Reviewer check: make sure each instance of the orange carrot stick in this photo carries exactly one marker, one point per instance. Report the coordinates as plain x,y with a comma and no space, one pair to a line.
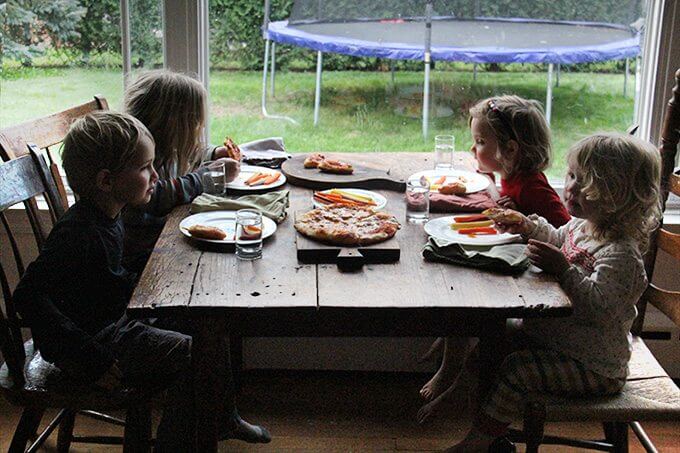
271,178
441,180
470,218
254,178
480,230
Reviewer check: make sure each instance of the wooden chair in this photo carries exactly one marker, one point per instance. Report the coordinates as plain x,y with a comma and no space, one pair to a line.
649,393
46,132
25,378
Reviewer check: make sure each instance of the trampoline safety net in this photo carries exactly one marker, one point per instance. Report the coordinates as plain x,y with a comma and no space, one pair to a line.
621,12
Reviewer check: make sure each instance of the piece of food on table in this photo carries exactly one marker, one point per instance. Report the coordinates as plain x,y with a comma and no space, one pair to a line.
330,198
441,180
504,216
233,151
272,178
470,218
353,196
255,177
454,188
313,160
343,225
206,232
335,167
464,225
478,231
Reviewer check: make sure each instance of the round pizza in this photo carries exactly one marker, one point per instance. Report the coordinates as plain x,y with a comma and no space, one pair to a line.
339,224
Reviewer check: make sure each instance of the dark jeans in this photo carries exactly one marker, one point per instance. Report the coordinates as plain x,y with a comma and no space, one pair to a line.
155,354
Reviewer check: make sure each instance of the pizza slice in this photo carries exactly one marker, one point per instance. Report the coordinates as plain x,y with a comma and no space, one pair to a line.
335,167
233,151
454,188
504,216
313,160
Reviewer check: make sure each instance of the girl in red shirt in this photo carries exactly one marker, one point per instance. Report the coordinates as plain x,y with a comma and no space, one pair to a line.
510,137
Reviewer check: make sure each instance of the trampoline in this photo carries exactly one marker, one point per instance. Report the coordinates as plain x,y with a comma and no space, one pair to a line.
455,31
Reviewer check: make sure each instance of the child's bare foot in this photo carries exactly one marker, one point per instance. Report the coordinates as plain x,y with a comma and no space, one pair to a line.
440,382
435,347
433,406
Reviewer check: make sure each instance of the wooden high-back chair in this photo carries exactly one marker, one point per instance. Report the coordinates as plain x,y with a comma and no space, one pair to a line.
46,133
649,393
25,378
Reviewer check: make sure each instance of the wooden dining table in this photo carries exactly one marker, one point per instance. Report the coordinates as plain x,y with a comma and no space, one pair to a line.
279,296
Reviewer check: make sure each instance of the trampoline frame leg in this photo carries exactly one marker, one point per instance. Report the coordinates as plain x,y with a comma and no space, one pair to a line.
638,71
426,98
392,71
317,91
272,86
474,72
264,88
557,75
548,94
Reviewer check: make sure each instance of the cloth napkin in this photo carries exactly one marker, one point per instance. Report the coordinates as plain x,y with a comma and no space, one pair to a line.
271,204
505,258
266,152
472,202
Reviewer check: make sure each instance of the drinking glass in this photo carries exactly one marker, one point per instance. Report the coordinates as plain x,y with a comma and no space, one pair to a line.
443,151
215,179
417,200
248,234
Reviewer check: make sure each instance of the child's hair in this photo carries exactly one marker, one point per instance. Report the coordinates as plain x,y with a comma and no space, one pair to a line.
522,120
173,107
97,141
621,173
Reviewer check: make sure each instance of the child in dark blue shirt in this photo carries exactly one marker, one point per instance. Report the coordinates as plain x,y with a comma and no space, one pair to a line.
74,295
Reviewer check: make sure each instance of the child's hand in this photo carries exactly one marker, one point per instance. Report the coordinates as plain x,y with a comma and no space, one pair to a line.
547,257
507,203
110,380
523,227
231,168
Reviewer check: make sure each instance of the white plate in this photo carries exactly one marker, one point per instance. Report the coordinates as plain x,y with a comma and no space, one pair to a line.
225,221
440,228
249,170
474,182
379,200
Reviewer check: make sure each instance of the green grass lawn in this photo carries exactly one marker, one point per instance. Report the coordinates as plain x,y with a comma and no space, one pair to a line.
360,111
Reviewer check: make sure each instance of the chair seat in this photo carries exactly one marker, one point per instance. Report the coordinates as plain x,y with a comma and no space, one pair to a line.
47,386
649,394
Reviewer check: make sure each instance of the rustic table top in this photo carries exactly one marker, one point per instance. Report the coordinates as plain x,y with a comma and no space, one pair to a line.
279,292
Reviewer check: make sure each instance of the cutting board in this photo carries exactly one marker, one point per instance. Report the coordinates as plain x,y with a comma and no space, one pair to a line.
347,258
362,178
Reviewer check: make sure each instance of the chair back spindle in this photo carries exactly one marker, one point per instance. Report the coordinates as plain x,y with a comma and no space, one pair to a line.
21,179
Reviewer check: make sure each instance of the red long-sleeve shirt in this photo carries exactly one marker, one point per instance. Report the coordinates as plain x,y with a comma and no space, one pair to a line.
533,195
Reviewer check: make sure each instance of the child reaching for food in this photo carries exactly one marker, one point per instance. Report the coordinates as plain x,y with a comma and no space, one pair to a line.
510,137
173,107
612,192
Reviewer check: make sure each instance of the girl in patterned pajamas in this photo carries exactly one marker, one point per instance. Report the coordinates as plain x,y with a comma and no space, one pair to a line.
612,193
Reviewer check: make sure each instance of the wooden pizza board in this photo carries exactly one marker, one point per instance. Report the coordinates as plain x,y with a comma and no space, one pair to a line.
310,251
362,177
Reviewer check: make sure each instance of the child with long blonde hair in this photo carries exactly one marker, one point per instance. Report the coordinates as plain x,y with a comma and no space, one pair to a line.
612,192
173,107
510,137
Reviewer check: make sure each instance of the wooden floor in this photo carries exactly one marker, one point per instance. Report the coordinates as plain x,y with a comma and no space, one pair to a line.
343,412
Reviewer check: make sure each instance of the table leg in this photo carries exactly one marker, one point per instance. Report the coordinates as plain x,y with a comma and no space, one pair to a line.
491,349
209,373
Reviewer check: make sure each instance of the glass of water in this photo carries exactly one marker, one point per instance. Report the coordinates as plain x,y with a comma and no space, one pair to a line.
444,146
248,234
417,200
215,179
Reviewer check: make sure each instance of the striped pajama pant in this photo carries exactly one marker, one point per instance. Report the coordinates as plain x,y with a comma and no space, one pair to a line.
536,370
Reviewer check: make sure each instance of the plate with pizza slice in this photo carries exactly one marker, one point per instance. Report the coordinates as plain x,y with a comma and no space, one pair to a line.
453,181
469,229
254,178
349,197
218,227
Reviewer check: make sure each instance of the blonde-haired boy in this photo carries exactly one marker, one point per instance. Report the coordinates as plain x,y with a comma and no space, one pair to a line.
74,295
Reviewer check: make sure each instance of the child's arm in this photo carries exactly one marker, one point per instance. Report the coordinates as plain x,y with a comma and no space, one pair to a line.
543,231
172,192
611,290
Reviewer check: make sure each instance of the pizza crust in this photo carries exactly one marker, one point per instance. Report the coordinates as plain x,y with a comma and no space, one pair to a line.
505,216
342,225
